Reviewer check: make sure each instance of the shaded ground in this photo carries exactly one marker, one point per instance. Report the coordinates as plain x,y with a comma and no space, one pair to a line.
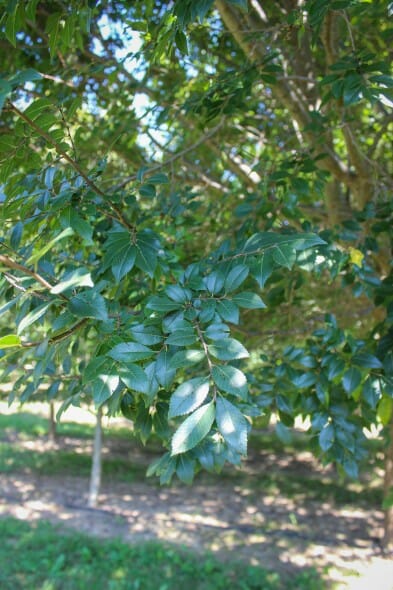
227,515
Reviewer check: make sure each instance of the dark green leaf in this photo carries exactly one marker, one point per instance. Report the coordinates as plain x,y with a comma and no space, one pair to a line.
162,304
326,437
367,361
164,371
147,335
120,253
228,311
128,352
193,429
351,380
248,300
236,276
134,377
89,304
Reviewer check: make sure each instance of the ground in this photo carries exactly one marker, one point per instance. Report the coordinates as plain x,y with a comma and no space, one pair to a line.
263,525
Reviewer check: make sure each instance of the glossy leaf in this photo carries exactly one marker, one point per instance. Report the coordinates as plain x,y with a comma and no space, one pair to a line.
232,425
188,396
194,429
130,352
228,350
230,380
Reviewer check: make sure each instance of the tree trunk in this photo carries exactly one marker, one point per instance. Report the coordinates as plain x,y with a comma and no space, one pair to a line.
388,492
96,466
52,423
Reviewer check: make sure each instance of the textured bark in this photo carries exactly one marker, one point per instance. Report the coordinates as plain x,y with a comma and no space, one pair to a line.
96,467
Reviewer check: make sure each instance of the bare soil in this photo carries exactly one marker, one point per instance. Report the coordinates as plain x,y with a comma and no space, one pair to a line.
234,521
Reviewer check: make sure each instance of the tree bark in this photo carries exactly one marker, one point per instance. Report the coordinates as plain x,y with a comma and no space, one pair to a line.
96,467
387,541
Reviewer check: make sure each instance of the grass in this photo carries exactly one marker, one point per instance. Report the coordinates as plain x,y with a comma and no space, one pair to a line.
30,425
65,463
40,556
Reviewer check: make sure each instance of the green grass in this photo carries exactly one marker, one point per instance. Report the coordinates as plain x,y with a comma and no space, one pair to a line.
31,425
65,463
40,556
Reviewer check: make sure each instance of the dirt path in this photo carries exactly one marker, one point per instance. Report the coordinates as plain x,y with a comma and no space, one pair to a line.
271,531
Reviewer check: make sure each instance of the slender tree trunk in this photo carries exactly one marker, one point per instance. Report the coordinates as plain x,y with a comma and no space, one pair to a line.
52,423
388,492
96,466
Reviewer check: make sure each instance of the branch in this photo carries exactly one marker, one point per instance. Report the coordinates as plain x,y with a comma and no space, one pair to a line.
62,336
7,261
175,156
285,91
49,139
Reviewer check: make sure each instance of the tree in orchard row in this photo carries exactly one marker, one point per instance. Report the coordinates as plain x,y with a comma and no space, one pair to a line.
163,166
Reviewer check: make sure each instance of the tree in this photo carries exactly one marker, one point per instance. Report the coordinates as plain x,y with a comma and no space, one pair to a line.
161,164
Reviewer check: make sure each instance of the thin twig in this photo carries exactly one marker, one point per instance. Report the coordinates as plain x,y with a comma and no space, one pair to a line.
7,261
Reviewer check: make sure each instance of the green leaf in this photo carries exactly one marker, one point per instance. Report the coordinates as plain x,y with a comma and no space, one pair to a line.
129,352
230,380
39,253
148,335
80,226
164,371
217,331
232,425
182,337
120,254
385,410
351,380
367,361
262,269
10,341
185,469
236,276
178,293
186,358
11,27
326,437
146,254
102,376
214,282
284,255
159,178
228,311
248,300
228,350
134,377
188,396
79,277
162,304
89,304
33,316
193,429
